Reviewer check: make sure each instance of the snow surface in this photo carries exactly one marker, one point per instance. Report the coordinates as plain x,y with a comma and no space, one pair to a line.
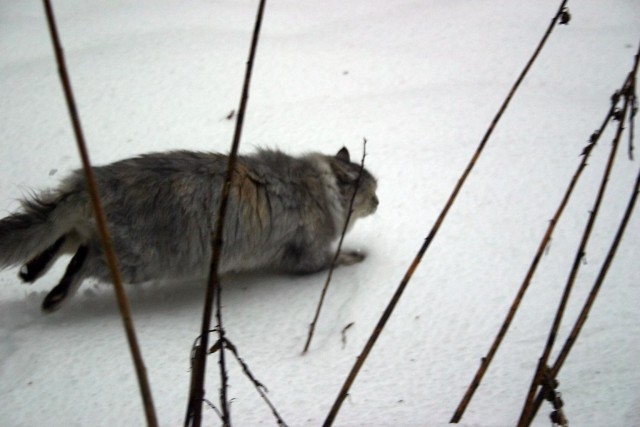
421,80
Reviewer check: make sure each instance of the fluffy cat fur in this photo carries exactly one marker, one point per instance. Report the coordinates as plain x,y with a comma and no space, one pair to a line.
283,214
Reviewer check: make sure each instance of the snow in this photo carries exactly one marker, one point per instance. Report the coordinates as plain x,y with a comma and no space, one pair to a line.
421,81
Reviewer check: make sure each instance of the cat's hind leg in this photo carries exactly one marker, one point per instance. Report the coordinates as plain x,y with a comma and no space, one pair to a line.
69,283
38,265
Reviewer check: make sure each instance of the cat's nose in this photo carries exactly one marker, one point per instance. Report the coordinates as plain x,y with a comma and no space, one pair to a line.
375,201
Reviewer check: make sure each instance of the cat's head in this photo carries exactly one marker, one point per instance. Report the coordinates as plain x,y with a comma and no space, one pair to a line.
346,172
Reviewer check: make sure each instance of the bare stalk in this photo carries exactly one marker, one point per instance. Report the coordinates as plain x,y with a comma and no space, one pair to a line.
584,313
434,230
312,326
542,362
196,359
629,91
101,221
486,361
194,409
634,110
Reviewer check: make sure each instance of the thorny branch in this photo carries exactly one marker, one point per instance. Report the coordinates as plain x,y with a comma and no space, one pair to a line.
312,326
213,407
261,388
101,221
194,408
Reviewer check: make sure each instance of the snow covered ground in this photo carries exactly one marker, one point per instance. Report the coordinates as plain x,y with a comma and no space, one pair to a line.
421,81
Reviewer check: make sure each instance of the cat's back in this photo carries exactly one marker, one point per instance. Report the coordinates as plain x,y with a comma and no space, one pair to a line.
163,165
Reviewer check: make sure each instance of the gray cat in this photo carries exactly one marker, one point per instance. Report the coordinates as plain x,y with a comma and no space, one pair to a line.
283,214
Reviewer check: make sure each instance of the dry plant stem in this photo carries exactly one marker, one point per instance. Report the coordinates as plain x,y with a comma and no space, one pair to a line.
525,417
312,326
213,407
584,314
486,361
257,384
434,230
194,416
195,385
543,244
634,110
629,91
123,303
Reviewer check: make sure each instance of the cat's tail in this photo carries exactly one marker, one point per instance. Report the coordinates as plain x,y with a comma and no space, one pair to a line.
41,224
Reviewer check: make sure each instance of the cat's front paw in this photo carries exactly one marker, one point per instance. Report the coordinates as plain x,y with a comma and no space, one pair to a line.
351,257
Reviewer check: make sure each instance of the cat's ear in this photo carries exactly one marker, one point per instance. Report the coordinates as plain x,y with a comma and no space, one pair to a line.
343,155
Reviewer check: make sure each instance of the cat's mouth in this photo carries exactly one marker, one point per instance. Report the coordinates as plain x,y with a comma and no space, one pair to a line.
368,208
374,204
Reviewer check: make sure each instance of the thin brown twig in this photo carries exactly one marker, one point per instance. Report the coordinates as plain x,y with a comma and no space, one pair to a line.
213,407
634,110
434,230
344,334
312,326
194,411
101,221
580,253
262,390
582,318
